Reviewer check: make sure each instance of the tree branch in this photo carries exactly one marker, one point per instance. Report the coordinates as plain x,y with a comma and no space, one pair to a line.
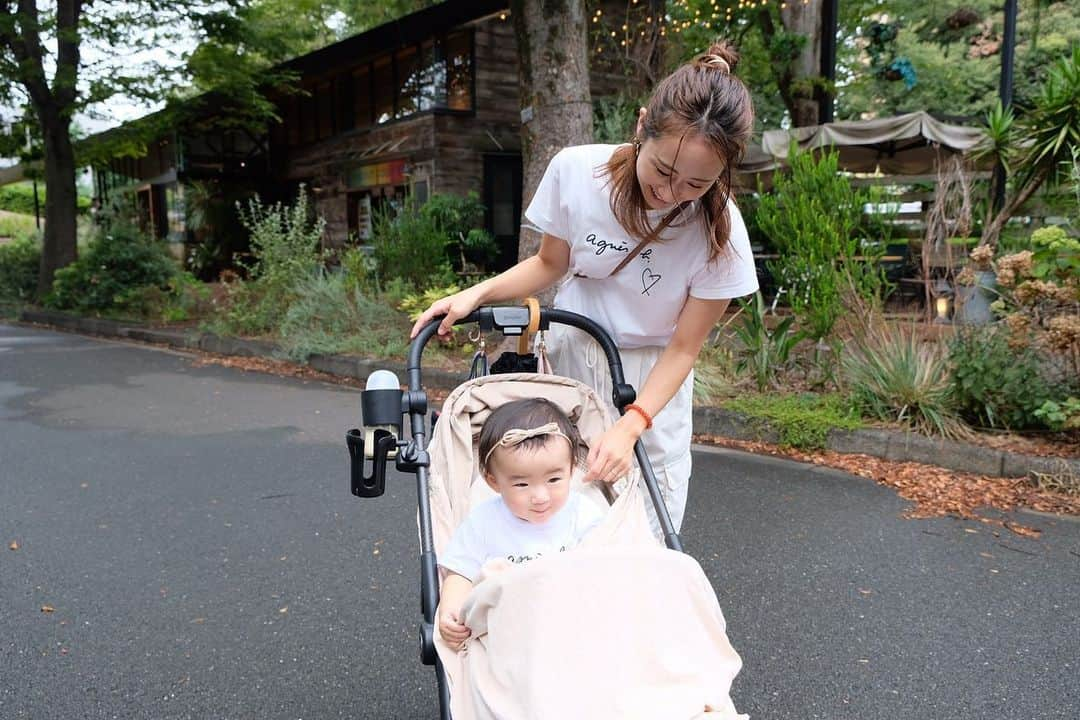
29,54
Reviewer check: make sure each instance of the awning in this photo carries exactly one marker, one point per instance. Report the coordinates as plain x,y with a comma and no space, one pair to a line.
908,144
11,174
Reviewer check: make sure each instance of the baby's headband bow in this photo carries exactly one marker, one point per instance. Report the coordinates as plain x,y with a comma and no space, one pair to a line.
516,436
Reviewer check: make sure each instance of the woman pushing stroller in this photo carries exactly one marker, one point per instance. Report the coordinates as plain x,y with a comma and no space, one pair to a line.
652,248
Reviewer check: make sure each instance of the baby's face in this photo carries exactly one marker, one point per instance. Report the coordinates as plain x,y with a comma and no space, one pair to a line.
534,483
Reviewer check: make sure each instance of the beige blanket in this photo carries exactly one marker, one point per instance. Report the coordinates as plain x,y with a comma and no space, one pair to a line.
616,629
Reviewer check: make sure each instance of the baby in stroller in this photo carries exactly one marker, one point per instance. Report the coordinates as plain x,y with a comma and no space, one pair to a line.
528,450
615,627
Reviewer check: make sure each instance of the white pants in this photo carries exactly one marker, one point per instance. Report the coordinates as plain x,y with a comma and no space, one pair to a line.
574,354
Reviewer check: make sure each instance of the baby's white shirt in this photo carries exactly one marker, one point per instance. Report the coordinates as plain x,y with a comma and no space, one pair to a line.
490,531
640,305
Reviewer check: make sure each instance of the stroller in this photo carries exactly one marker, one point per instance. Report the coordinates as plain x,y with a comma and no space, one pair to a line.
444,465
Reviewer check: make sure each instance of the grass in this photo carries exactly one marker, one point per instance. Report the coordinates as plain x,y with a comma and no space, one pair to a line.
16,225
803,420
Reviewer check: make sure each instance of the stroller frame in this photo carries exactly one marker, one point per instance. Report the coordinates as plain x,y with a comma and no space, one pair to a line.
383,410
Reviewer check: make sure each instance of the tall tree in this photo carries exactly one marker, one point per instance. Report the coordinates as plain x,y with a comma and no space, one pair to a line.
553,72
784,37
44,48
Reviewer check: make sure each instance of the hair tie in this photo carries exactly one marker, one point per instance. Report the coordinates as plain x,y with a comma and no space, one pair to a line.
516,436
717,62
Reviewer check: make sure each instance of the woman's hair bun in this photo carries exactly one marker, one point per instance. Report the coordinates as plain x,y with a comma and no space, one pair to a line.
721,55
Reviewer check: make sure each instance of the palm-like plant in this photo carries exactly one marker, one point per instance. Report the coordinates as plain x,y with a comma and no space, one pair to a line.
1036,147
764,351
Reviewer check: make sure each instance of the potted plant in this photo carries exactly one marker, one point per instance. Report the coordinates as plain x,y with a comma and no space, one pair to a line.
976,288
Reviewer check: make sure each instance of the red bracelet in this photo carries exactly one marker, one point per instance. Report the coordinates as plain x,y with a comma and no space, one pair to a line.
641,411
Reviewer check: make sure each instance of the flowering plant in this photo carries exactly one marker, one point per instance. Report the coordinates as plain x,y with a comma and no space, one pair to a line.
1040,298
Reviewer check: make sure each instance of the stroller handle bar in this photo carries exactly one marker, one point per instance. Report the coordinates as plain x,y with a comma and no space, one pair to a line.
514,320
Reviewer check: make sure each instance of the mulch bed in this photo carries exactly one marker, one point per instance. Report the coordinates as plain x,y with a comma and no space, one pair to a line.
935,491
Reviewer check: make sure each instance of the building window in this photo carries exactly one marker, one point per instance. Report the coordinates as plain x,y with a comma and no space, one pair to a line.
362,106
459,71
383,89
408,81
432,78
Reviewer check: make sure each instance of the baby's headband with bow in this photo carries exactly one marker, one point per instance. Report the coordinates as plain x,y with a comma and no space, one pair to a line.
516,436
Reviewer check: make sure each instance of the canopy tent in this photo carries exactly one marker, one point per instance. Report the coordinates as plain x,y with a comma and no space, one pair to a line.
908,144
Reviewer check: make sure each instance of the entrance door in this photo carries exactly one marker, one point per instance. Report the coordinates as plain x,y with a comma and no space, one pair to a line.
502,203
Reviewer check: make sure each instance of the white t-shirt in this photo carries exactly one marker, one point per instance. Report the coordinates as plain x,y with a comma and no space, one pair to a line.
641,304
491,531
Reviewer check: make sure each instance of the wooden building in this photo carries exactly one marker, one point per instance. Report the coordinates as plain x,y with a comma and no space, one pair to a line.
428,103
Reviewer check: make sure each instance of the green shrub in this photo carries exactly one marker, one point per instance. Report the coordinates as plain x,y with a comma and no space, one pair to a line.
996,384
894,376
20,261
359,268
182,298
13,225
330,315
1060,416
425,245
285,247
814,219
414,304
469,246
764,352
803,421
19,198
410,246
112,274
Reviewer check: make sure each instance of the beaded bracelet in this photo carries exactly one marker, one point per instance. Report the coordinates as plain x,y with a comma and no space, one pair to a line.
641,411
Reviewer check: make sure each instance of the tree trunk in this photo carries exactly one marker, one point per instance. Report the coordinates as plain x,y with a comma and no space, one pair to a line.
59,245
992,231
805,20
556,105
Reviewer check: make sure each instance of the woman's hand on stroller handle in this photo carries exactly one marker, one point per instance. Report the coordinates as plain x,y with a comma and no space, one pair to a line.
452,308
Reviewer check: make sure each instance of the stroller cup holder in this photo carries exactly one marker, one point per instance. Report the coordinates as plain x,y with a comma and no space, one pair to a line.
382,404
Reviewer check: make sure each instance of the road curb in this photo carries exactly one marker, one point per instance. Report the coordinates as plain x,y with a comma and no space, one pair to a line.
894,445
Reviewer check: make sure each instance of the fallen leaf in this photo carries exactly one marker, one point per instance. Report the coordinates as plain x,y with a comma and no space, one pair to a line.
970,530
1023,529
198,621
936,492
865,592
14,545
47,609
986,555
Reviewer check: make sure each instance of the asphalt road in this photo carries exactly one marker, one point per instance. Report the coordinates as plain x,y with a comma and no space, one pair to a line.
190,533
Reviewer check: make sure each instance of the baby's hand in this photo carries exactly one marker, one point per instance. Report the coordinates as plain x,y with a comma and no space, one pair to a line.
453,630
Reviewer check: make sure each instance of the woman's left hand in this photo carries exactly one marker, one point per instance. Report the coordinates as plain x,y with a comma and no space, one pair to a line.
612,454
